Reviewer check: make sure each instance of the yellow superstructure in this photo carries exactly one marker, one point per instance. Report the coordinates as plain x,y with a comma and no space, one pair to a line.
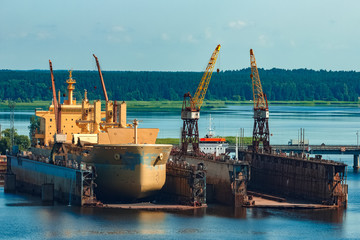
86,118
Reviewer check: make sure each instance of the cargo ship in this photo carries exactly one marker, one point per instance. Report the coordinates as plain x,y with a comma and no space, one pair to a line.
125,159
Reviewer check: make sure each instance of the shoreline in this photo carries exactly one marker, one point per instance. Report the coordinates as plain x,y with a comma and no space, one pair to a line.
170,106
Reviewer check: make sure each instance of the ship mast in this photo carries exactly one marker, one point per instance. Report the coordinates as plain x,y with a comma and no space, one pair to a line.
70,88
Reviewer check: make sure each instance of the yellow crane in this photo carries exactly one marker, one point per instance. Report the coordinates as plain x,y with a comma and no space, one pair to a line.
261,110
190,113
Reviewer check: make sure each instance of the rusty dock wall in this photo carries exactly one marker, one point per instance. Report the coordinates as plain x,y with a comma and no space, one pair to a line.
185,184
226,180
312,179
52,182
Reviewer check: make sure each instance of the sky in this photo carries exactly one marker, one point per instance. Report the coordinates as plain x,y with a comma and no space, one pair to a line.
163,35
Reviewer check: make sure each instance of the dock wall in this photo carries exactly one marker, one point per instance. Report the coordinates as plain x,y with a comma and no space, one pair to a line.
316,180
225,180
185,184
34,176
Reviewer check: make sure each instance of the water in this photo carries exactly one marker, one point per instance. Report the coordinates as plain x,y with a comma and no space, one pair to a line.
24,216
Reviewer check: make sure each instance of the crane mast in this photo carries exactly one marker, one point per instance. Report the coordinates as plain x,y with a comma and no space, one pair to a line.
261,110
57,106
190,113
108,104
101,78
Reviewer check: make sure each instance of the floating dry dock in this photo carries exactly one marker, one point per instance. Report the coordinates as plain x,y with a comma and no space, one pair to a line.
317,182
53,182
297,176
185,186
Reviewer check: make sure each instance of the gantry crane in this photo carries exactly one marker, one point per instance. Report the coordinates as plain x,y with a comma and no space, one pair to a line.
190,113
261,110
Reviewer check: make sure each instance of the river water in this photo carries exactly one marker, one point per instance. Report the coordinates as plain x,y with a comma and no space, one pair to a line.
24,216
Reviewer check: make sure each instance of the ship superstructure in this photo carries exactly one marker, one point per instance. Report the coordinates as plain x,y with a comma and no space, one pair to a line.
211,144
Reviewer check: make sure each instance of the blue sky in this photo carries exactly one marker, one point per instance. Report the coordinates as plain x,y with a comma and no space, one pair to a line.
179,35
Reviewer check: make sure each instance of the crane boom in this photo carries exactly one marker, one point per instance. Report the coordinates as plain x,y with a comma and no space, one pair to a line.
56,104
101,78
258,95
199,95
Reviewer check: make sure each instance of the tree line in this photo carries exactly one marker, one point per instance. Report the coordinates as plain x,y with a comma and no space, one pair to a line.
278,84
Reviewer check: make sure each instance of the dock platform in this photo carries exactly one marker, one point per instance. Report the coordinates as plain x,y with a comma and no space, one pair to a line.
153,207
267,203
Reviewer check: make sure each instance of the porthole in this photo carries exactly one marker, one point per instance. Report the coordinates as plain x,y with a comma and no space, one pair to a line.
117,156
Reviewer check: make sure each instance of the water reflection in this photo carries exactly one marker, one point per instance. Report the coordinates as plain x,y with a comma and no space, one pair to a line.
321,215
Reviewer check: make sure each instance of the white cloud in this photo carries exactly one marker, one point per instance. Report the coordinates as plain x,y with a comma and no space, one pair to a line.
17,35
119,39
264,41
118,34
189,38
208,33
43,35
165,37
118,29
237,24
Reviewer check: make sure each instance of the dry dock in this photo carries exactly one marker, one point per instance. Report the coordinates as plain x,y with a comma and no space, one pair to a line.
298,177
51,182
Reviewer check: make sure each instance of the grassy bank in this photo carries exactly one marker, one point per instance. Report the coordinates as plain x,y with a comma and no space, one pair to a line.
26,105
156,106
169,106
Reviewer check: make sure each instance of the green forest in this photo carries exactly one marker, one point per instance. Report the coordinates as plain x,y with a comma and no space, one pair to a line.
278,85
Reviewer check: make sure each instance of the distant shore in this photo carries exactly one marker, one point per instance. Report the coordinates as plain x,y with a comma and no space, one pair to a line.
169,106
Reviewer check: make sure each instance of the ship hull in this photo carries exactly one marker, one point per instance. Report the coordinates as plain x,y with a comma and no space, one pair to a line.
129,171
